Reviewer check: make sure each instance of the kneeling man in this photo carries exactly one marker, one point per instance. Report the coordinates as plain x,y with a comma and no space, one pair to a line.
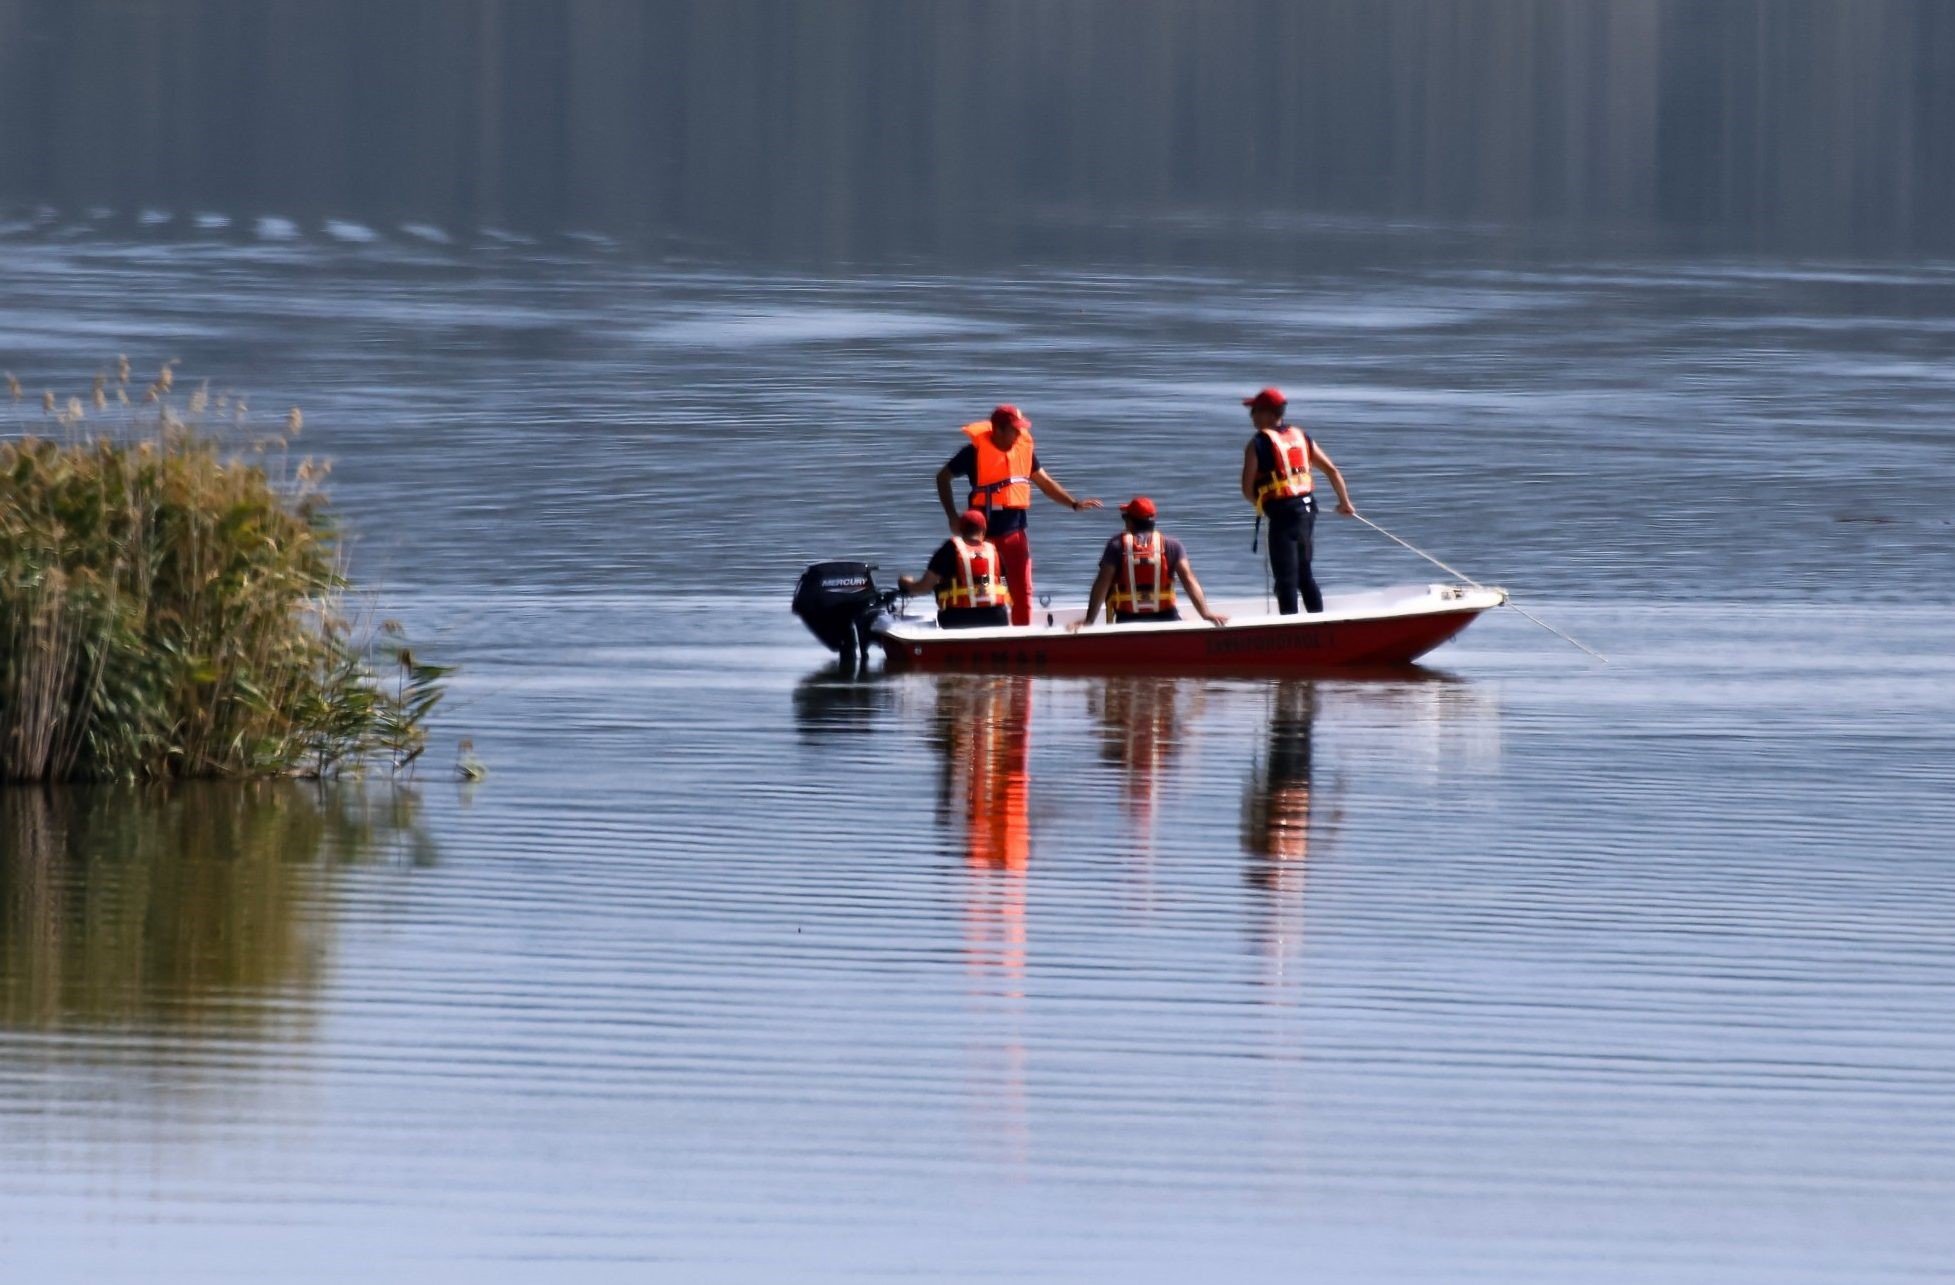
969,583
1138,571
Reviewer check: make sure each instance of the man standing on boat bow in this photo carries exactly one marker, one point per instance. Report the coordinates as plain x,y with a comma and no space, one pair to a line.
1002,469
1276,478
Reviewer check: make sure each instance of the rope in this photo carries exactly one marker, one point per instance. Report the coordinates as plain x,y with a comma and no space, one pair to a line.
1461,575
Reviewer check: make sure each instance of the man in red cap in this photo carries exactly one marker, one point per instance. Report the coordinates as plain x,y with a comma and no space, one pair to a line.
1138,571
1002,468
965,575
1276,478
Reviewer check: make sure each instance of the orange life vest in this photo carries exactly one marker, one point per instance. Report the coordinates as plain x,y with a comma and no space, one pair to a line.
1143,585
980,581
1004,478
1290,446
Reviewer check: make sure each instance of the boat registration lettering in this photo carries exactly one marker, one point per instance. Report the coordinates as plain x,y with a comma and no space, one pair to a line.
1227,642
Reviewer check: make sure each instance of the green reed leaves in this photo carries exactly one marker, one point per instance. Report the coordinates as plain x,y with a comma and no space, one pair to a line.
172,604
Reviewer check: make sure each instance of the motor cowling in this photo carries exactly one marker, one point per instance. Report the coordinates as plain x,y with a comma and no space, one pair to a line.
838,601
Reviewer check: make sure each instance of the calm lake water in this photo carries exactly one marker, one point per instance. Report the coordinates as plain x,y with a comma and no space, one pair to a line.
736,968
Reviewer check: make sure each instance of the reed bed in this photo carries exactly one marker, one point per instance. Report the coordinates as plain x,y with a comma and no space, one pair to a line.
173,600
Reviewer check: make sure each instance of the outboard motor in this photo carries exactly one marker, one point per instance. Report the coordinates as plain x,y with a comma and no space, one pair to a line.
838,601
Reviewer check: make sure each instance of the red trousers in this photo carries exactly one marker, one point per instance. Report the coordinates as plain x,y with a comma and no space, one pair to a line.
1015,560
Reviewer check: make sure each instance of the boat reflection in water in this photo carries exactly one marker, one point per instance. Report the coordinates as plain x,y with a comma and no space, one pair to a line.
982,728
1165,737
841,699
194,908
1324,736
1145,722
1276,820
1144,787
1276,805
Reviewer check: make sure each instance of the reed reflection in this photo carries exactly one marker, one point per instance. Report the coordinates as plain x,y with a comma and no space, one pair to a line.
185,908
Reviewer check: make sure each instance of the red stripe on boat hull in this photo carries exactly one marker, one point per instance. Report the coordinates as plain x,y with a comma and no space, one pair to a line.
1262,649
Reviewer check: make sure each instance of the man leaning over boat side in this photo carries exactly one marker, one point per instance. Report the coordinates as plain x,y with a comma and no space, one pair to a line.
1138,569
1002,468
965,575
1277,479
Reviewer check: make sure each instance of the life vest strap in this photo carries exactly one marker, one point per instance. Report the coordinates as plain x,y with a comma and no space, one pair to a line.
972,587
1126,594
1284,481
1280,482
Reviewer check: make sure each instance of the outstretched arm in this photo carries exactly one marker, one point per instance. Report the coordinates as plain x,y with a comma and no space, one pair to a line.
1186,574
943,495
1059,494
1322,461
917,586
1101,583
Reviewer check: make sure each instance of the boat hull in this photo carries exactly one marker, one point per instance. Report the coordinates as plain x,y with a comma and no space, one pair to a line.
1268,645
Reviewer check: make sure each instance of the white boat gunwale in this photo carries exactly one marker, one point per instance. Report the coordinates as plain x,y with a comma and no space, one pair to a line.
1388,603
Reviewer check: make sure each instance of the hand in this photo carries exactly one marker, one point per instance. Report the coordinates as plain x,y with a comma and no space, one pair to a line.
956,524
1344,507
1215,618
1085,504
1076,626
907,584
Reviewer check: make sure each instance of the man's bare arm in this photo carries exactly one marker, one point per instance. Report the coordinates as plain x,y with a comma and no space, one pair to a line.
944,496
917,586
1186,574
1101,583
1322,461
1059,494
1249,471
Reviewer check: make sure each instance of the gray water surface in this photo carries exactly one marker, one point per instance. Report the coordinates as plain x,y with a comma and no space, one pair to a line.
738,968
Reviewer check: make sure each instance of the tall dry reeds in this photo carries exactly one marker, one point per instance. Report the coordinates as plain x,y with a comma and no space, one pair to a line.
172,603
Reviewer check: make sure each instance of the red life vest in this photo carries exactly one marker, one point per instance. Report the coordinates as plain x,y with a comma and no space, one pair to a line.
1289,446
1143,584
979,582
1004,478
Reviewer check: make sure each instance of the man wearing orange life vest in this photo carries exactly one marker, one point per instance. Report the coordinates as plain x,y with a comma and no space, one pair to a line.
966,576
1002,469
1276,478
1138,571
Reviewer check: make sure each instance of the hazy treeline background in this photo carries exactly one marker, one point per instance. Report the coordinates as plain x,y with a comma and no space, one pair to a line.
862,126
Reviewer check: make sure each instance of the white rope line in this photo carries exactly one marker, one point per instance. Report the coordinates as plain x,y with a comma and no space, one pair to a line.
1454,571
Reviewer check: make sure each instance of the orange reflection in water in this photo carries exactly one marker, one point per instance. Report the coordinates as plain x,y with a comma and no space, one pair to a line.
984,738
984,728
1145,721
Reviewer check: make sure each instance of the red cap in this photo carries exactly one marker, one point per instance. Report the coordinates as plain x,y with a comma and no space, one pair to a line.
1268,399
973,520
1009,414
1139,507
